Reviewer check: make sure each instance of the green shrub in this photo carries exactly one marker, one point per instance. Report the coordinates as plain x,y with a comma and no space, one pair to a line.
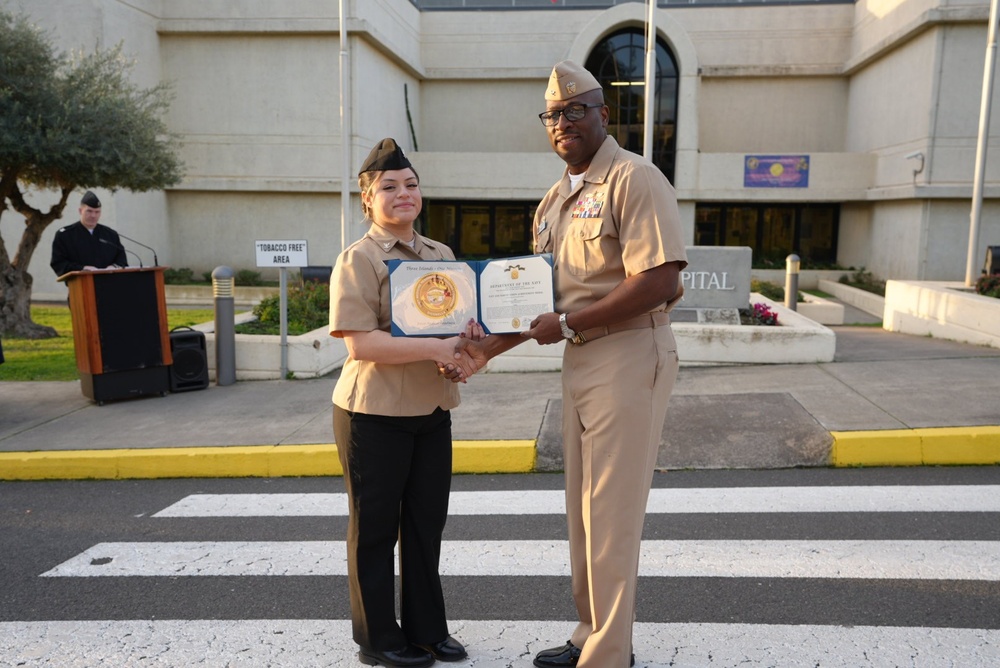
779,260
864,280
308,309
989,286
185,276
772,291
182,276
248,277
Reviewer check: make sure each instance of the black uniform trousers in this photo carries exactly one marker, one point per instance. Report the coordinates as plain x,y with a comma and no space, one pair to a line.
398,476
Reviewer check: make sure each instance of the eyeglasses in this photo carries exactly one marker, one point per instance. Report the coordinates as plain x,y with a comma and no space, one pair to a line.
573,112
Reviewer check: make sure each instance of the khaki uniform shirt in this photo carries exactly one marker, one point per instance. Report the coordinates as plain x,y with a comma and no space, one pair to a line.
359,301
621,220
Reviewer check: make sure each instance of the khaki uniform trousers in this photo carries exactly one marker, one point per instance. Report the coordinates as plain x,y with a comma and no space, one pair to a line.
615,393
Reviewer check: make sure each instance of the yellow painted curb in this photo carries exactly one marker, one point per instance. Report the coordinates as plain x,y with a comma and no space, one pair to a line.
915,447
261,461
493,457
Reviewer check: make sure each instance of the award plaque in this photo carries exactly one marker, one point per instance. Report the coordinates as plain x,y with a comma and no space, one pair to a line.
438,298
431,298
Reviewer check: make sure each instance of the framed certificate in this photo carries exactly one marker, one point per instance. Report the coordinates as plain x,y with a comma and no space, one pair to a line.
438,298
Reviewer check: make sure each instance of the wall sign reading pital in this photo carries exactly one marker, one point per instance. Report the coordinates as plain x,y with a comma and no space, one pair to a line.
776,171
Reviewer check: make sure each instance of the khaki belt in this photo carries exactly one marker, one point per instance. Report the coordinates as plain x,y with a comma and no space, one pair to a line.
655,319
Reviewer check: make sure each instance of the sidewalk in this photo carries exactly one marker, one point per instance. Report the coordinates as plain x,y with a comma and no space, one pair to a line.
887,399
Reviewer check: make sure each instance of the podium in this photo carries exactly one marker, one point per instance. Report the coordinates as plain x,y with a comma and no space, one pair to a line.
120,332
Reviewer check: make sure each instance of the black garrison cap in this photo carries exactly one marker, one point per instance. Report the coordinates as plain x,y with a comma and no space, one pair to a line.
385,156
90,199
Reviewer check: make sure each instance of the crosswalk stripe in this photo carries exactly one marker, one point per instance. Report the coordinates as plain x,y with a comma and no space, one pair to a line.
491,644
852,499
864,559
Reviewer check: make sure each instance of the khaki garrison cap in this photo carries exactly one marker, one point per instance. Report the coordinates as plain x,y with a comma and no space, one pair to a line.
569,80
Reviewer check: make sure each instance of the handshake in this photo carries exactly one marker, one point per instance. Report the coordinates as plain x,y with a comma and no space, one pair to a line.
462,356
468,351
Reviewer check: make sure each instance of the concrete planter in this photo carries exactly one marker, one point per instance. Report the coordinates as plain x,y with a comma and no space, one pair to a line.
809,279
798,340
944,310
201,295
258,357
869,302
815,308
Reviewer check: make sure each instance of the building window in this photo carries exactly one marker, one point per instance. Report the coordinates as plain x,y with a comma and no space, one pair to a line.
480,230
773,231
619,63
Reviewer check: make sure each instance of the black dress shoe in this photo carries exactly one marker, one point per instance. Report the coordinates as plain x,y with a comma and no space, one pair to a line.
448,649
406,657
561,657
558,657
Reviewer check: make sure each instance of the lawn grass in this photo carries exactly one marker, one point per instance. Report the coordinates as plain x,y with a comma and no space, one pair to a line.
819,293
54,359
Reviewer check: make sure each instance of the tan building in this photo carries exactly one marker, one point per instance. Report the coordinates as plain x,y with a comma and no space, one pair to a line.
843,131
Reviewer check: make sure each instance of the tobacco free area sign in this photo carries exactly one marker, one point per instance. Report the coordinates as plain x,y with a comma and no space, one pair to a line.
282,253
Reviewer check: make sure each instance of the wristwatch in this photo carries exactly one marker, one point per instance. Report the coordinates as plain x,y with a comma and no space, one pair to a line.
566,331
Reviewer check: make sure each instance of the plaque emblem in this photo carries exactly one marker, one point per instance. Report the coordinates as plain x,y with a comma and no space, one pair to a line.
435,295
515,271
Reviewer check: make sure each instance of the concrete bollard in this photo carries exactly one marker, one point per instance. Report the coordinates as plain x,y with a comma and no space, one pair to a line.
223,283
792,282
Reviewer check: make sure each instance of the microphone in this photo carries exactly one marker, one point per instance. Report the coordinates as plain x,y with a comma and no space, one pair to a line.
120,247
156,261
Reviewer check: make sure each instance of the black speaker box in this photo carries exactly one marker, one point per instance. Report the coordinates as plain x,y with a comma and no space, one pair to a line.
190,367
317,274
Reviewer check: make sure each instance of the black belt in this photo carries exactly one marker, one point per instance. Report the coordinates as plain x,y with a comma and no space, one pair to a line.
655,319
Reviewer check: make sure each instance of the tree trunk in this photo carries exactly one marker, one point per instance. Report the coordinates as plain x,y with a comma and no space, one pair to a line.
15,307
15,281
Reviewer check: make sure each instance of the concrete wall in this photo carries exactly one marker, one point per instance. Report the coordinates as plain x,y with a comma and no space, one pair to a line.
261,112
212,228
897,237
888,105
774,115
955,110
856,86
509,108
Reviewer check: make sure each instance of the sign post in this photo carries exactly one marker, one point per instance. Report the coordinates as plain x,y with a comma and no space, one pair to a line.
282,254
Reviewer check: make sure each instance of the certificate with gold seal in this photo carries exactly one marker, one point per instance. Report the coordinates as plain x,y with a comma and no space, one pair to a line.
513,292
439,298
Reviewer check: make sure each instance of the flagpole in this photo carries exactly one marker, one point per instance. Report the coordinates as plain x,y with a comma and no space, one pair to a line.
345,130
984,131
650,83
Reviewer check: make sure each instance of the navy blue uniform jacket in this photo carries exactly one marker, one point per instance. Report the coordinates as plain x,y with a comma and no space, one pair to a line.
74,247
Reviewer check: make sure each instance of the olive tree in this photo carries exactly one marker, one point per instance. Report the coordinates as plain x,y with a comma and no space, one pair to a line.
68,122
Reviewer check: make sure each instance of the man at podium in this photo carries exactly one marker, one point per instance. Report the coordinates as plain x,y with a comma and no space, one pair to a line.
86,245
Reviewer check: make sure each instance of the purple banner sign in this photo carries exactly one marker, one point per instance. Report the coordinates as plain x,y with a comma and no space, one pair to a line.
776,171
